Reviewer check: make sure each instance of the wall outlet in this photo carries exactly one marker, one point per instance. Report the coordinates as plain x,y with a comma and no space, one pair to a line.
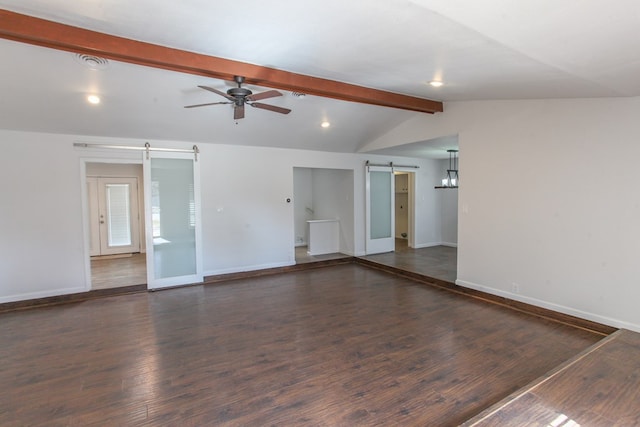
515,288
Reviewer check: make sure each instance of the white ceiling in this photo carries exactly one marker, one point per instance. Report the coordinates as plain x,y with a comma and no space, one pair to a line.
493,49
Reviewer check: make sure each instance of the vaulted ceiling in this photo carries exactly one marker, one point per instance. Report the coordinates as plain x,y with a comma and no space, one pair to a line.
364,66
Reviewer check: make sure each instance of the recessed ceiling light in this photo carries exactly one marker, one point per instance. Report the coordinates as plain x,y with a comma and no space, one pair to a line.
93,99
436,83
325,124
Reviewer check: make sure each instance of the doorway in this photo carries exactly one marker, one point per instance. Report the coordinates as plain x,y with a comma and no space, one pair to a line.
114,215
390,208
170,199
323,214
115,202
402,210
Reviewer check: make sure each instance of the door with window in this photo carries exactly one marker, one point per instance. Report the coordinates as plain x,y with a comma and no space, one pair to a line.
172,188
380,213
114,216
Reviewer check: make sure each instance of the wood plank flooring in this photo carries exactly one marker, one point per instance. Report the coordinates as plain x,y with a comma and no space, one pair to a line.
302,257
107,273
440,262
596,388
338,346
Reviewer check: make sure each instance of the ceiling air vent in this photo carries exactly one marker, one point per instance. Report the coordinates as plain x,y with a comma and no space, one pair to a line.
91,61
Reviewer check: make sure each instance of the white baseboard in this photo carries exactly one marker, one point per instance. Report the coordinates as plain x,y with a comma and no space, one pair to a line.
243,269
426,245
432,244
616,323
42,294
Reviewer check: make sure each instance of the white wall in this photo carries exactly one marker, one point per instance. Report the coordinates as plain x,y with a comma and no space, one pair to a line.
247,223
449,216
549,206
333,199
302,204
449,209
41,234
427,204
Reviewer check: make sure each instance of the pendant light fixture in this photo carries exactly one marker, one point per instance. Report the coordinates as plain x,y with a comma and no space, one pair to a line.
452,179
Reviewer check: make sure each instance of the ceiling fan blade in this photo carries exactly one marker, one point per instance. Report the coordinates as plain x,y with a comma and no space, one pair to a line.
210,89
204,105
263,95
270,108
238,112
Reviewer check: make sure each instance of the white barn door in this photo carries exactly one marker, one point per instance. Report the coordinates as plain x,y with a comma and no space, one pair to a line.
173,230
380,212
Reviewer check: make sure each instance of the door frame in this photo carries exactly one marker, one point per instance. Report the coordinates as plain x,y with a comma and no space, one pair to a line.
412,190
86,224
411,208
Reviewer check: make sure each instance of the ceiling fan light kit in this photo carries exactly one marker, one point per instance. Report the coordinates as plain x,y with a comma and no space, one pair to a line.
240,96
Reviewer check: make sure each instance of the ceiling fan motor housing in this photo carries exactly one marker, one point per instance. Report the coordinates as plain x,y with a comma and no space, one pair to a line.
239,92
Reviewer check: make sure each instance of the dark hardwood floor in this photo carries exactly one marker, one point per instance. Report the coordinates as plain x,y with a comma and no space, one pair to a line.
437,261
599,387
302,257
336,346
440,262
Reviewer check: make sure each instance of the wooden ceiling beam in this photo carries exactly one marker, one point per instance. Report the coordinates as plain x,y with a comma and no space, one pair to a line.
41,32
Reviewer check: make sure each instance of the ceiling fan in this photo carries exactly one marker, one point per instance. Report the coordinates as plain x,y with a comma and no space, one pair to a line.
239,97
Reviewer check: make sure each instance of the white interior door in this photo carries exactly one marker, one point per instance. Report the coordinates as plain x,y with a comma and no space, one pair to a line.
380,215
114,217
172,208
